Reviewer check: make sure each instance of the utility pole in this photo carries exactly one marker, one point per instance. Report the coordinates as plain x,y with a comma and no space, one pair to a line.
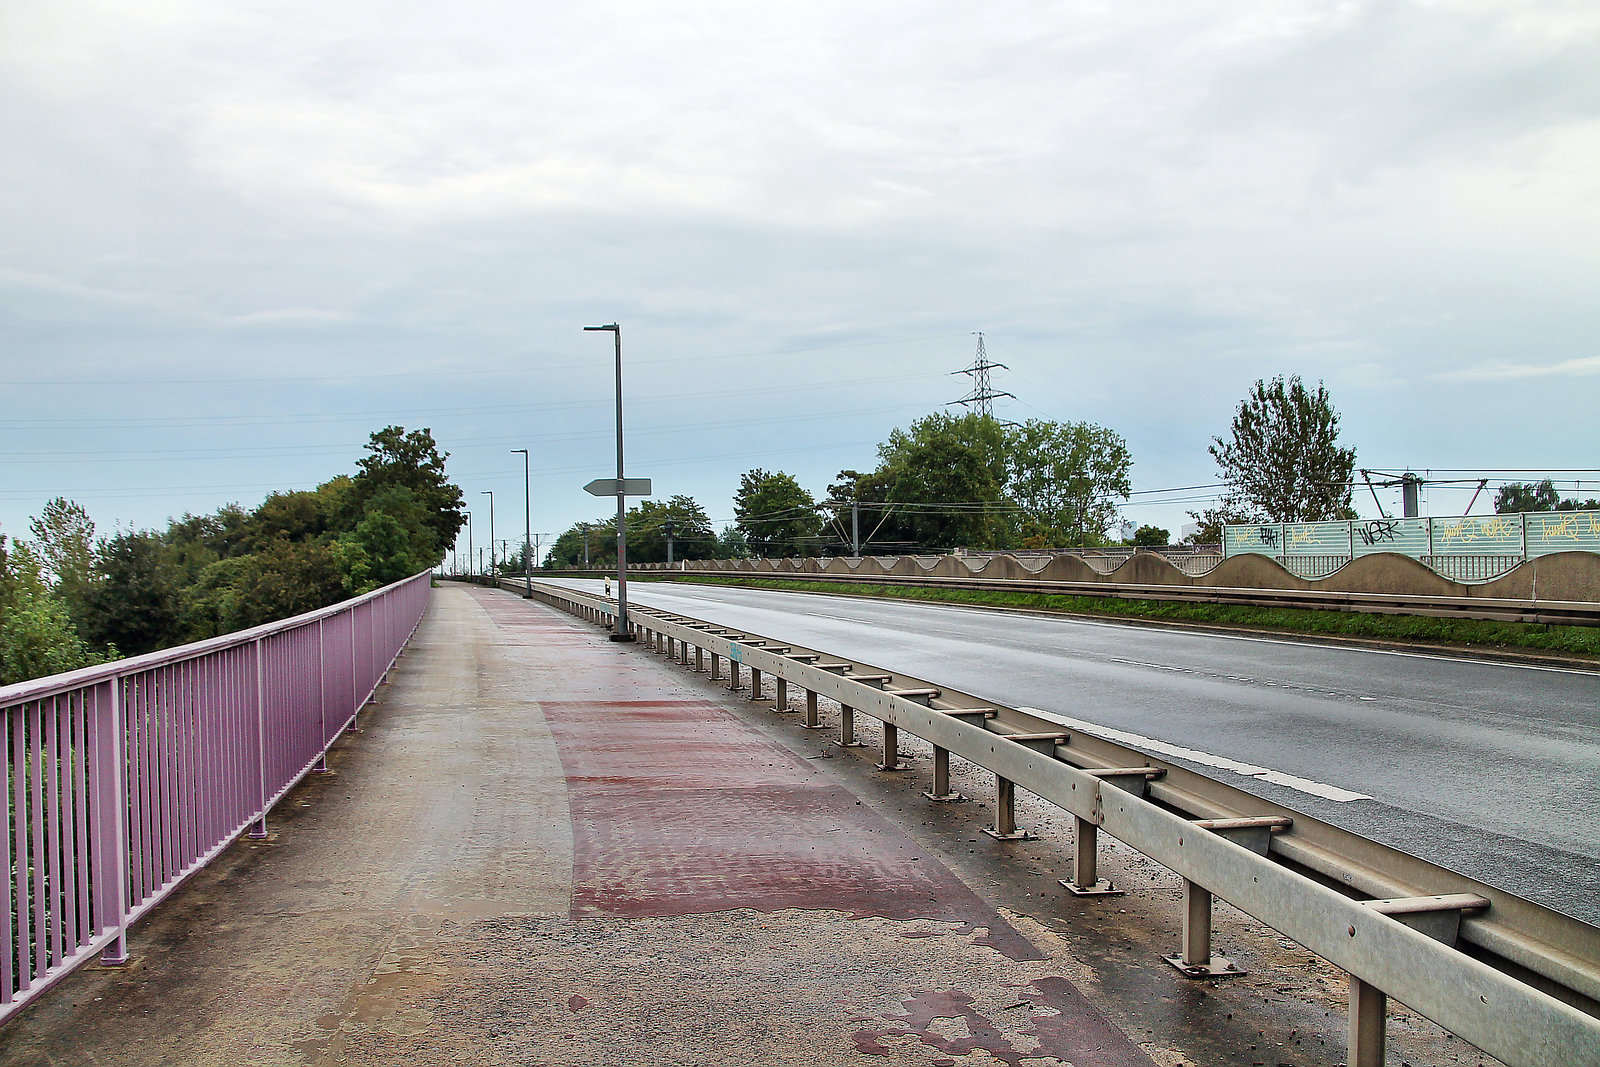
855,529
527,522
667,530
469,542
585,544
982,395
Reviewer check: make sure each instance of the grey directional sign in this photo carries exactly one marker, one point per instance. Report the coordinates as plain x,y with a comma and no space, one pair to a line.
608,487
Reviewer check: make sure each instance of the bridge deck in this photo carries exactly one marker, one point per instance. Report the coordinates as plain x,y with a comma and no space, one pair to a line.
544,848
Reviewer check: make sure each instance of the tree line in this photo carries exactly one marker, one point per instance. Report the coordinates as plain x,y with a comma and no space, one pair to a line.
70,598
945,481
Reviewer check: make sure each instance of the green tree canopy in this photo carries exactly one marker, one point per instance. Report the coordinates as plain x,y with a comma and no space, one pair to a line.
1282,461
397,459
776,516
1538,496
1067,478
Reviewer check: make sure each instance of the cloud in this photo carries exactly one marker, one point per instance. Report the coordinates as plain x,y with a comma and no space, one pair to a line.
1567,368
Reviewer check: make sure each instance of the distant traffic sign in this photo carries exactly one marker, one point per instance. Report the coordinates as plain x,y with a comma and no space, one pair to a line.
608,487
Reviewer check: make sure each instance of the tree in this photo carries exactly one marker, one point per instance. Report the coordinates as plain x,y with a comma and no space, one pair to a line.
37,633
1067,478
137,603
401,460
1283,462
1526,496
1151,537
947,474
775,514
691,531
65,536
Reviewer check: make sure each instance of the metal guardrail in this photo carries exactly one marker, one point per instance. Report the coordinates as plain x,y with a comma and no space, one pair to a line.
1554,612
126,778
1519,981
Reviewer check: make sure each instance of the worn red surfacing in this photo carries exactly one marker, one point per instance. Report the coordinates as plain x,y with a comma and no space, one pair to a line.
680,808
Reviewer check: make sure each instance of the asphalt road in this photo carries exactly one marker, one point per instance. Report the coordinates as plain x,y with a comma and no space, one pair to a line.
1492,769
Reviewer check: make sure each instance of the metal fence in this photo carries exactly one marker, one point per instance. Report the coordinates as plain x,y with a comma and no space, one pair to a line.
124,779
1472,548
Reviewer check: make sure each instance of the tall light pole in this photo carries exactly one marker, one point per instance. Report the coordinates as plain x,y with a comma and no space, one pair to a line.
469,542
490,494
623,631
527,523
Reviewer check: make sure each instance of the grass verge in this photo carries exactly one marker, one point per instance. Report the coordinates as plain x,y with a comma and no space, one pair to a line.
1583,641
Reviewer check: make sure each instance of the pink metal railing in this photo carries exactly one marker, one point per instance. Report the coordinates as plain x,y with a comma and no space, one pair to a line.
124,779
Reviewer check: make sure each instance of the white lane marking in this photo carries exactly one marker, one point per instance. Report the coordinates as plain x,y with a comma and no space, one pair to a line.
1205,759
835,618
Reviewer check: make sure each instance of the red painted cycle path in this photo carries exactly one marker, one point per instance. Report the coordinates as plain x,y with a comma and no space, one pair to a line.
679,807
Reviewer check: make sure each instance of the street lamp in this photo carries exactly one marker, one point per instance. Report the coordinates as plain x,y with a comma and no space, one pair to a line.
623,633
469,542
527,523
490,494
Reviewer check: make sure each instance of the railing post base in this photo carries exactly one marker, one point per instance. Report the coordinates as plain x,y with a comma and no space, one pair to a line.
1086,880
847,728
1196,960
891,748
811,722
1005,813
941,790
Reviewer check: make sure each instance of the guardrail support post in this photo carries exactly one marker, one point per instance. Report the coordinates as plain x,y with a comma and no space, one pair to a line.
781,700
1369,1008
700,659
1086,880
941,790
847,727
733,676
891,748
1005,813
755,684
1196,960
716,667
811,722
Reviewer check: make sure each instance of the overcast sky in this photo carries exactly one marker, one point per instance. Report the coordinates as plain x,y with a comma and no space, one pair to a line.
235,238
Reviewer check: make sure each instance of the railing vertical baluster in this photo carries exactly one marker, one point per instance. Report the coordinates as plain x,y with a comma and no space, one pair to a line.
20,817
55,874
81,786
110,825
41,913
260,828
8,934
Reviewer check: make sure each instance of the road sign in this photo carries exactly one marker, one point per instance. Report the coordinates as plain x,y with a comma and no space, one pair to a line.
608,487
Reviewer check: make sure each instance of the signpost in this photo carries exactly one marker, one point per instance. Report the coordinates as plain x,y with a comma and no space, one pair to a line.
612,487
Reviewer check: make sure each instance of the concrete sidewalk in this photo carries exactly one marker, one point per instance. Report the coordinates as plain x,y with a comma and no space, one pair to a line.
543,848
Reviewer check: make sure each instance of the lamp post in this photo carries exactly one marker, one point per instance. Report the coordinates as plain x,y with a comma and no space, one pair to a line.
490,494
527,523
469,542
585,544
623,631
